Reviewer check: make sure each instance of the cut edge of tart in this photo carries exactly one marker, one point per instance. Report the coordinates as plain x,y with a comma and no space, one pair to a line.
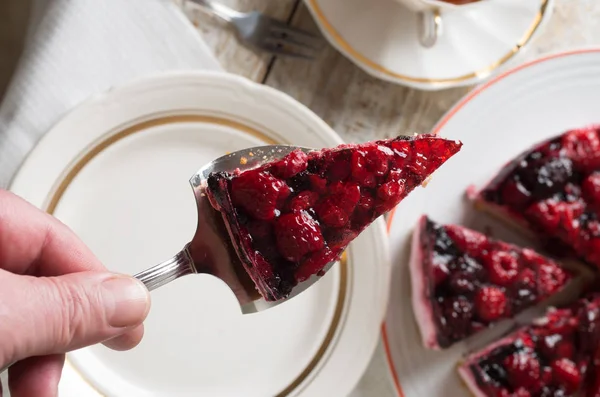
423,311
466,375
290,218
461,278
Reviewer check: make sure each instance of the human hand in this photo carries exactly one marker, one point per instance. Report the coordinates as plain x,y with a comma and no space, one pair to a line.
55,296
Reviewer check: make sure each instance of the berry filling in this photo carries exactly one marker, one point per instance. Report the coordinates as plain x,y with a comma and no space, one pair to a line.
464,281
552,357
554,189
290,218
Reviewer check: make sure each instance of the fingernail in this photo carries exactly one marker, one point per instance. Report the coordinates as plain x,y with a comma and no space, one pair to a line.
130,301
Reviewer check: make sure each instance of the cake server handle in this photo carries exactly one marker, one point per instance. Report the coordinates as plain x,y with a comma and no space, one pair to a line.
178,266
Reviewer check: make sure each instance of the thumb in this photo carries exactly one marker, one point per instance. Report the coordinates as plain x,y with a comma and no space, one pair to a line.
50,315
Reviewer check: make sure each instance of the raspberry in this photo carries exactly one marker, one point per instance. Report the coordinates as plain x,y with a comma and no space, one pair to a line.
560,321
551,214
315,263
360,172
258,193
590,188
290,165
402,150
363,214
303,201
336,209
527,278
503,267
545,213
550,279
418,164
390,193
424,161
490,303
318,184
515,195
523,370
583,147
566,374
468,241
555,346
366,201
378,159
332,215
297,234
346,195
532,257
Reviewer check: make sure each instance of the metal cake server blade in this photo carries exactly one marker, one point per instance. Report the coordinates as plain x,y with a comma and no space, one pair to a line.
211,251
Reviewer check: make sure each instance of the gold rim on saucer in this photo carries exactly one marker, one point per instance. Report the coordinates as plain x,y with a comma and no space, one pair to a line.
347,48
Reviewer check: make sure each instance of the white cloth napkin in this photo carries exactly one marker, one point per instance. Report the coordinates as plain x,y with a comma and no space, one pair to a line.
78,48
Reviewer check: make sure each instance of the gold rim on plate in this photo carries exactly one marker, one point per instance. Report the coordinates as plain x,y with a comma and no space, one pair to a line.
352,52
98,147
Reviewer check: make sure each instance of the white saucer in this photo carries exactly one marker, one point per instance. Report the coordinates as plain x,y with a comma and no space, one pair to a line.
495,122
116,170
380,36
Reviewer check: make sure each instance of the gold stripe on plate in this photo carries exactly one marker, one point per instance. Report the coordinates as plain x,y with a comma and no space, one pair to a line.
348,48
98,147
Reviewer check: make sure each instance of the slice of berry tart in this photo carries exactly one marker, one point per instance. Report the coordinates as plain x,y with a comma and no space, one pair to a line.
551,357
463,281
553,190
290,218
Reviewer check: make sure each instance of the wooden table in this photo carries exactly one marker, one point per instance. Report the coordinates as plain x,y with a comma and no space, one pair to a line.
359,107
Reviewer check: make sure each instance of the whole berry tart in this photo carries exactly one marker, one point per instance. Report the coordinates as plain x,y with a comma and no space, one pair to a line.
555,356
553,190
464,281
290,218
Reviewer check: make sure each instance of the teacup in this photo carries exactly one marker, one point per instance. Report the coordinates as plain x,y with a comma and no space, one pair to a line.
430,15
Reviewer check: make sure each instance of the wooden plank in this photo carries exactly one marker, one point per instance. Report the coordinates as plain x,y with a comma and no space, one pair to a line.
233,56
15,15
359,107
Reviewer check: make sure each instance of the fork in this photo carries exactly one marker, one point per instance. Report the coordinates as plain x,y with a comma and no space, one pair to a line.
210,251
265,33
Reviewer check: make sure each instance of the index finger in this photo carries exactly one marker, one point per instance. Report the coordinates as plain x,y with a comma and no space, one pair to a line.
34,242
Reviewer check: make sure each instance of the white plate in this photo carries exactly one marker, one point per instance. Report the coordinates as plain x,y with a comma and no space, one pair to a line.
496,122
116,170
380,36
